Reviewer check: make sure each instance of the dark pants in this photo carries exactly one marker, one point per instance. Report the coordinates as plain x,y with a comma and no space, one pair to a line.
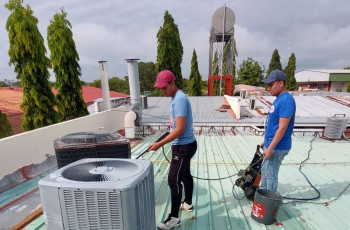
180,171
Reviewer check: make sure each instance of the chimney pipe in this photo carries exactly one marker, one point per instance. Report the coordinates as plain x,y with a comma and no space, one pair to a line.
104,85
134,84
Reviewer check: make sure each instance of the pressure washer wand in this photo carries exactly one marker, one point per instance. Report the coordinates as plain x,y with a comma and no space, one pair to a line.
159,139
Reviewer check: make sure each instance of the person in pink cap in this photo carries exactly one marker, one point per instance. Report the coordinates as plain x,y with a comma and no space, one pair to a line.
184,146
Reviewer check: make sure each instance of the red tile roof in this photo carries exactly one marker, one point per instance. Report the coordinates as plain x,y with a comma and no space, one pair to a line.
11,98
240,87
91,93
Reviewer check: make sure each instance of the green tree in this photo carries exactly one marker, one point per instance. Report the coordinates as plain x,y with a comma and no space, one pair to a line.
5,126
348,88
95,83
216,83
3,84
27,54
204,87
148,76
235,54
119,85
275,62
64,58
250,73
229,62
195,79
170,50
291,83
185,83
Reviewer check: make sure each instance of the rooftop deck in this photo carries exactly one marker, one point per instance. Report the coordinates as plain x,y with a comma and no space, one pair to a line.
220,155
225,145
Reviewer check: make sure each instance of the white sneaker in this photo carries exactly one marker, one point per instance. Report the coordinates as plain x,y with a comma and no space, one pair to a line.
169,223
186,207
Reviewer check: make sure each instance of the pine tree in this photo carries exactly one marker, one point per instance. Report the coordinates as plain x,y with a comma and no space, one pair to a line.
216,83
235,54
64,58
5,126
275,62
170,50
27,54
195,79
291,83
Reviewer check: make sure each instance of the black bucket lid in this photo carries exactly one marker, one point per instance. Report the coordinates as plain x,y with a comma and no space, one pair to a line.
88,139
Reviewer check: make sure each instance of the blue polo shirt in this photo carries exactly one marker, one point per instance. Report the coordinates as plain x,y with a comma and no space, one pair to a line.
181,107
283,106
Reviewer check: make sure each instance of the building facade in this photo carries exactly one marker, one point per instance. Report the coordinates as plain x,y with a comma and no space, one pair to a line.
323,80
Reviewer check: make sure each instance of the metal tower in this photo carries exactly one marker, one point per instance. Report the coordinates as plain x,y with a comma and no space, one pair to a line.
221,42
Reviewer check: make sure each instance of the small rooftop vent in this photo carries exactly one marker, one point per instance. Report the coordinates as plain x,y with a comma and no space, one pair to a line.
252,103
335,127
76,146
243,93
101,194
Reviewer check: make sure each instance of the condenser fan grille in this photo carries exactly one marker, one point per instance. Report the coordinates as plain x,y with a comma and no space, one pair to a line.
100,171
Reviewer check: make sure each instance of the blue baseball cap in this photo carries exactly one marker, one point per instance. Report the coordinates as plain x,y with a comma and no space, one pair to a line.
276,75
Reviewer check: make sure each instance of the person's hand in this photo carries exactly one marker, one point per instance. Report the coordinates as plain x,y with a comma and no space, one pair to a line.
262,145
154,147
267,153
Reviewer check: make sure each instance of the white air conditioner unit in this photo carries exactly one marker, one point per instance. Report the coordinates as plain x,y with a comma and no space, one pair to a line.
100,193
243,93
335,127
252,103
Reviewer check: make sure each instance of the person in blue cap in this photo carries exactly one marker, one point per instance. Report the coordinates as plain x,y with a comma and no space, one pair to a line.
278,135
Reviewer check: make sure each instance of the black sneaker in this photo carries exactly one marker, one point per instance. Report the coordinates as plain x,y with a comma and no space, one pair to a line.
169,223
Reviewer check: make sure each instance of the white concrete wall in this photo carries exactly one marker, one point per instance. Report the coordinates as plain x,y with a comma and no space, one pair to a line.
235,103
335,86
32,147
311,76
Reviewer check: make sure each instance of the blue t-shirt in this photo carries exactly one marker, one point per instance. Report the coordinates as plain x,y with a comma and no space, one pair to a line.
283,106
181,107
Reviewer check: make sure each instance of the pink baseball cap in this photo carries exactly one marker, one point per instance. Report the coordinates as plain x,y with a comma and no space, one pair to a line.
163,78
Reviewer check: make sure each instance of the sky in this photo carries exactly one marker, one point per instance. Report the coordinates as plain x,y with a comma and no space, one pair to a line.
316,31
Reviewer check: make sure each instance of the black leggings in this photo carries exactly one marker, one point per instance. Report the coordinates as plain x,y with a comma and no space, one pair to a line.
180,171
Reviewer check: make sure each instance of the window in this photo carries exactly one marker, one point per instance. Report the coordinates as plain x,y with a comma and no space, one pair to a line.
320,86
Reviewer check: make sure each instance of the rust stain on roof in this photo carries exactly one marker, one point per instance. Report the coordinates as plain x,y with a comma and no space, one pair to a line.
340,99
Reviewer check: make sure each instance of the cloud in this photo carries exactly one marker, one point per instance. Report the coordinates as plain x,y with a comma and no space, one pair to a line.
317,31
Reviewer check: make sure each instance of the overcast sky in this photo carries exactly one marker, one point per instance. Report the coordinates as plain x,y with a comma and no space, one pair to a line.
317,31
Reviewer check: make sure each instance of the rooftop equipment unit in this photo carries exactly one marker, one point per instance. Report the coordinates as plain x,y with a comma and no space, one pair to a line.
100,194
335,127
243,93
252,103
76,146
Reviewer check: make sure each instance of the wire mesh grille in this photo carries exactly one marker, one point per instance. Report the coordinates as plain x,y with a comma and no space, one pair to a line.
91,209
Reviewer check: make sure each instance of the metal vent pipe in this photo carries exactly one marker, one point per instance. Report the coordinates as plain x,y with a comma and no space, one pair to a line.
134,84
104,85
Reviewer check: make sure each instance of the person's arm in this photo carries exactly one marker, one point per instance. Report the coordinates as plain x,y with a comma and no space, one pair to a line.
180,129
282,127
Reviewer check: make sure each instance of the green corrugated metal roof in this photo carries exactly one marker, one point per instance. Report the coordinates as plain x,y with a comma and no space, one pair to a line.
339,77
220,155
